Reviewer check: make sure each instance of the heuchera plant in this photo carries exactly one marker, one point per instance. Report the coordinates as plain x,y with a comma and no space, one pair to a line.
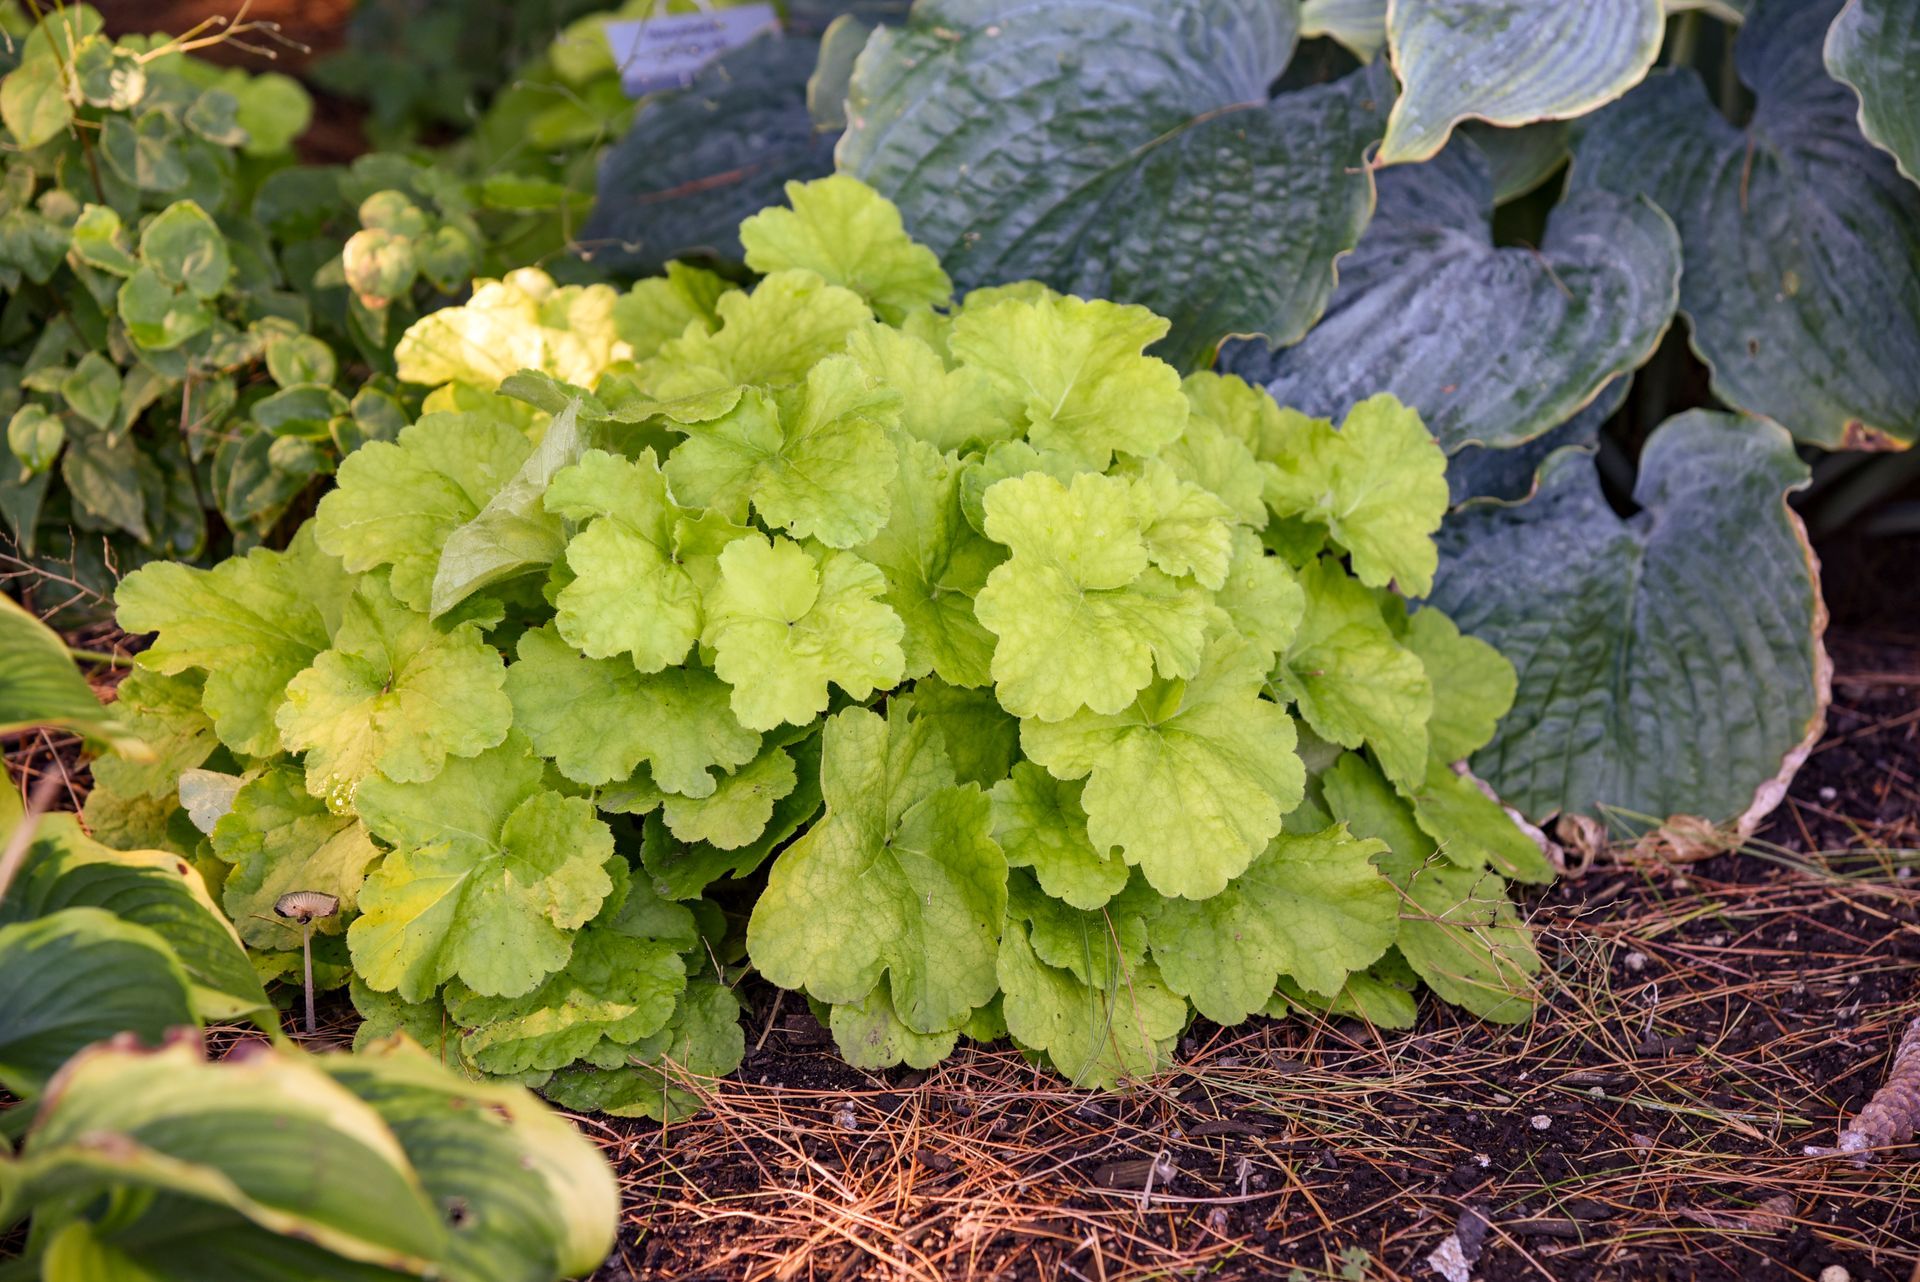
1001,680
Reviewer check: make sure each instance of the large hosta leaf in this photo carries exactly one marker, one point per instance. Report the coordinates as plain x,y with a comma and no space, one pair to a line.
1125,150
40,687
1509,62
1874,45
1481,471
1802,280
1492,344
1670,662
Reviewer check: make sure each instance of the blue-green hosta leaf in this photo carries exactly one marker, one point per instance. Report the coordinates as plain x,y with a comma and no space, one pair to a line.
1095,1037
900,880
1040,824
280,839
1509,63
1874,46
1492,345
846,232
1190,781
1120,150
1802,240
1482,472
490,875
1313,908
1521,158
251,624
1653,681
395,695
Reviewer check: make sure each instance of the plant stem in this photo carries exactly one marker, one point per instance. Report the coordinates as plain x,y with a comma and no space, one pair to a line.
99,656
306,952
1686,38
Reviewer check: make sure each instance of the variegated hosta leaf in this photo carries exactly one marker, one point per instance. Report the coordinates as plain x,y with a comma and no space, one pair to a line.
1654,679
1802,280
1509,63
1122,149
1493,345
1874,45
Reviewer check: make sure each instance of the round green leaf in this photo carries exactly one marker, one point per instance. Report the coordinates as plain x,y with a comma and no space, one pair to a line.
1802,241
1874,45
1509,63
33,102
1669,662
184,247
1127,150
35,437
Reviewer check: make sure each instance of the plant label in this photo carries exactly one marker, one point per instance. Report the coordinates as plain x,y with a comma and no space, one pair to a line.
665,52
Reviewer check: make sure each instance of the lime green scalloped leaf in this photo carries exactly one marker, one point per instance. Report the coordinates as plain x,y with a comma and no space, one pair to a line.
685,872
771,337
1262,596
1378,485
1788,227
1081,619
1353,680
279,840
735,814
399,503
1117,150
522,321
164,713
659,309
1382,995
1040,824
1216,458
1473,685
850,235
1472,829
1186,528
1313,908
251,624
1874,46
1359,796
396,695
981,738
870,1035
1190,781
1652,681
1509,63
1100,946
900,880
598,719
935,563
490,876
785,620
950,409
1492,344
1095,1037
1461,934
815,461
655,1077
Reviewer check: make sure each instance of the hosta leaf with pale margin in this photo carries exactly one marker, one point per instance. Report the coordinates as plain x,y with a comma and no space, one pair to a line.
950,409
685,872
848,234
1191,780
1121,150
39,686
1874,46
703,1039
1521,158
280,839
1095,1037
1653,682
77,977
598,719
1461,934
398,503
982,739
935,563
396,695
490,876
1310,907
900,880
1078,371
1378,484
1473,685
1040,824
869,1035
1099,946
251,624
815,461
1081,619
790,322
1802,240
785,620
64,868
1359,25
1353,680
1475,471
1490,344
1509,63
539,1199
696,162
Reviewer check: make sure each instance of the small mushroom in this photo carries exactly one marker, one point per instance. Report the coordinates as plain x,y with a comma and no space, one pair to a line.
306,907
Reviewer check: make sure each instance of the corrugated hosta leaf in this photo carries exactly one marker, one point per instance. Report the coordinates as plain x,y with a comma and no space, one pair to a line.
1802,280
1121,149
1486,472
1492,344
1874,45
1509,62
1670,662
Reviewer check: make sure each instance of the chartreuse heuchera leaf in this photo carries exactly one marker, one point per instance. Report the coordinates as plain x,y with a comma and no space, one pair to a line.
998,679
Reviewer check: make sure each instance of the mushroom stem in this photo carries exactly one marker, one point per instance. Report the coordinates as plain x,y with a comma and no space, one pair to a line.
306,953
